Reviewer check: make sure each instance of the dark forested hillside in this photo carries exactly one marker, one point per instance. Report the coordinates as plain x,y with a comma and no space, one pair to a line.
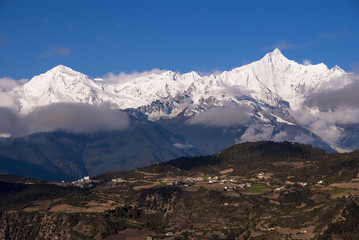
67,156
262,190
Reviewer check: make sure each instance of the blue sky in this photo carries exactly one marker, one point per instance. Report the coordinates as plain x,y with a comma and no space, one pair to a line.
98,37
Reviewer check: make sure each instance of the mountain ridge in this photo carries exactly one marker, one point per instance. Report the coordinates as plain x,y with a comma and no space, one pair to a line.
168,84
263,99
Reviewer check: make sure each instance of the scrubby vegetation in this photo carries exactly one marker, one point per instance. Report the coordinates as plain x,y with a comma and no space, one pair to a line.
259,190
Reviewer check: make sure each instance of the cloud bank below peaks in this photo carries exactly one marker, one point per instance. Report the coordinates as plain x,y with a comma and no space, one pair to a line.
333,99
258,132
79,118
230,114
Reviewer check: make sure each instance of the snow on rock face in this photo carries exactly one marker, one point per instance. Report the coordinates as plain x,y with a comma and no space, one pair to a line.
270,81
275,73
60,84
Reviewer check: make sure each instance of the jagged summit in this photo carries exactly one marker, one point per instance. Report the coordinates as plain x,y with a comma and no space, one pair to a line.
275,53
337,68
275,56
276,59
61,69
59,75
57,72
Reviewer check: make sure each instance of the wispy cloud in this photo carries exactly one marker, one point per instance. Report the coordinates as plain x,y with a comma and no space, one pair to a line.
321,123
183,146
334,35
8,100
118,24
57,51
7,83
328,36
226,116
281,45
213,72
128,77
7,97
307,62
338,105
334,99
104,39
355,68
258,133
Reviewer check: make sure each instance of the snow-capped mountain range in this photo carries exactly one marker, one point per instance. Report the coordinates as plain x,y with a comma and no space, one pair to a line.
271,80
270,91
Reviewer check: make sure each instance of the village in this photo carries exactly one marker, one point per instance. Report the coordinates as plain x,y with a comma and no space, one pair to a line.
230,183
259,183
85,182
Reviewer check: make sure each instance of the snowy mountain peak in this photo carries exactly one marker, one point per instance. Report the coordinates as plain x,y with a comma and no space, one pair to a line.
337,68
54,78
276,51
275,57
59,84
62,70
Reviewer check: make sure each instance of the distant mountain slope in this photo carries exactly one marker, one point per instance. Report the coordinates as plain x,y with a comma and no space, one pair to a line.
304,163
211,139
67,156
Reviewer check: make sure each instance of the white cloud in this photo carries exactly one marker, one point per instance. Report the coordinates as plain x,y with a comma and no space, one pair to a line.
228,115
257,133
341,94
214,73
57,51
307,62
7,97
281,45
324,124
183,146
7,83
355,68
281,136
128,77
